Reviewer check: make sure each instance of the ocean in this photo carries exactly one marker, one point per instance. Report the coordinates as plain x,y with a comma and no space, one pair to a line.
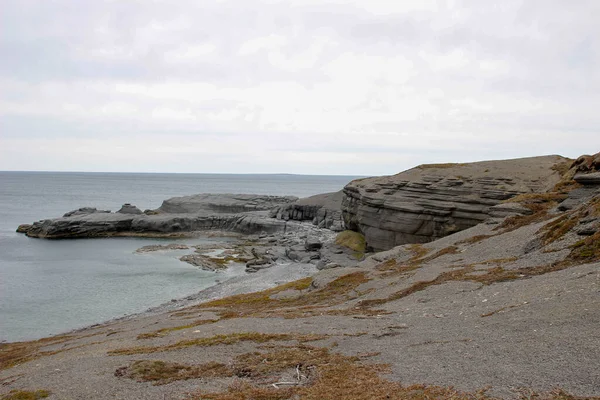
53,286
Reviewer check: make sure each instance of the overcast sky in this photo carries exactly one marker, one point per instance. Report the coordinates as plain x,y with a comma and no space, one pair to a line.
300,86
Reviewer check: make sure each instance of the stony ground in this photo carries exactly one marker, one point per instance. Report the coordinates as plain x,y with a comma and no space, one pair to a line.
507,309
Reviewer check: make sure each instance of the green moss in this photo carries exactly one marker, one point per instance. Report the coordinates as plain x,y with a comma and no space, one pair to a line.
25,395
352,240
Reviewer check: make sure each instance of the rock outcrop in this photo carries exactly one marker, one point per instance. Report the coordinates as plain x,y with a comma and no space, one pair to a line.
129,209
207,203
324,210
431,201
176,216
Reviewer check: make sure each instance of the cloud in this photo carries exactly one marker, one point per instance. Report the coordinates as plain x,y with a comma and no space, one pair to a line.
302,86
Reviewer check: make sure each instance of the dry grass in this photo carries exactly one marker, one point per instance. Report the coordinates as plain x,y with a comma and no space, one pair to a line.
556,229
418,252
556,394
166,331
262,305
474,239
323,376
441,166
392,267
469,274
12,354
217,340
163,372
442,252
537,203
25,395
586,250
353,241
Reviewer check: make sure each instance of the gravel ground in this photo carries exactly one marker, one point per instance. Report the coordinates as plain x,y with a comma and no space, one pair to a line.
537,333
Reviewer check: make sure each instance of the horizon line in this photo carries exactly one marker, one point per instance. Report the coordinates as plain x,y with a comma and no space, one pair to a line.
181,173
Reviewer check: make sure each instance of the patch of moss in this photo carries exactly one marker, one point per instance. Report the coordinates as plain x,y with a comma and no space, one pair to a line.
25,395
352,240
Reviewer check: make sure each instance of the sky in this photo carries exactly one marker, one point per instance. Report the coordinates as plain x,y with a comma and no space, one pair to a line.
363,87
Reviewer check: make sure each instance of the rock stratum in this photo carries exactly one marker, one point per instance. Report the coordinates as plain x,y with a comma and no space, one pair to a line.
432,201
241,213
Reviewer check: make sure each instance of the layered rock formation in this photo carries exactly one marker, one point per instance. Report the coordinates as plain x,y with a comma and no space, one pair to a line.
237,213
223,203
323,210
431,201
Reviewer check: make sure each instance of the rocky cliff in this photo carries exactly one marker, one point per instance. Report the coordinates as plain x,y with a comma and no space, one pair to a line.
431,201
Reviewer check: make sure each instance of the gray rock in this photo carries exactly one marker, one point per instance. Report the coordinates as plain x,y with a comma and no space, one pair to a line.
589,179
84,211
312,244
129,209
323,210
503,210
328,266
24,228
89,222
223,203
429,202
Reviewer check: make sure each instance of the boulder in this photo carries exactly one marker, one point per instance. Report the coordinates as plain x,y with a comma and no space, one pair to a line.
588,179
313,244
129,209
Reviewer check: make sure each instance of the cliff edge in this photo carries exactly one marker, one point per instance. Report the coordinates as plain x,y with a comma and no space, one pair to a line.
432,201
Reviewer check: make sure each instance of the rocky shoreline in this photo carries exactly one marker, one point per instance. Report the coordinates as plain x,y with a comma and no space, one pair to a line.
452,281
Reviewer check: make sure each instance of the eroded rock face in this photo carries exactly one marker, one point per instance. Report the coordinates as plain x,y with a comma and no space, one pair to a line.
223,203
431,201
323,210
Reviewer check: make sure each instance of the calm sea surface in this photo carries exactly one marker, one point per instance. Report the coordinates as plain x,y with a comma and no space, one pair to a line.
49,287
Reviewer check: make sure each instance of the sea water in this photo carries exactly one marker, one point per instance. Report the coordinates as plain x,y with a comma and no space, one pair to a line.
52,286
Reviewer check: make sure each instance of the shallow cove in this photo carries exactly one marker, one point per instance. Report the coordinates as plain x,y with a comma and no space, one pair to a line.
86,281
49,287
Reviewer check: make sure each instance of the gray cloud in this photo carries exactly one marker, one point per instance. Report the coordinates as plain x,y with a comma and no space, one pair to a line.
365,87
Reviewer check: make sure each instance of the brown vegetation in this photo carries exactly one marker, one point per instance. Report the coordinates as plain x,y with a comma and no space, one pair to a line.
441,166
163,372
468,273
25,395
261,304
217,340
165,331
